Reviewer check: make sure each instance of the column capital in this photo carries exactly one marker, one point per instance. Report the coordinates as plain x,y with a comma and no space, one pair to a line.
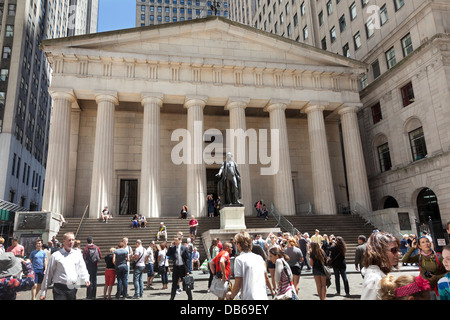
103,96
191,101
237,103
62,93
349,108
276,104
147,97
314,107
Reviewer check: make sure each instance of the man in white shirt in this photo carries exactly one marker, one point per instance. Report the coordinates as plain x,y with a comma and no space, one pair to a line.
249,271
149,264
64,269
139,257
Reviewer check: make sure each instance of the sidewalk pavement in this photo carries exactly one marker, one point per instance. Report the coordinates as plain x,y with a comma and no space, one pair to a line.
307,287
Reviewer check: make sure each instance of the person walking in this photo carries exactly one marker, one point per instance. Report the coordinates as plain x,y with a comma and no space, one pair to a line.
65,267
381,256
249,271
138,281
337,255
283,275
359,252
17,249
91,256
295,261
317,261
39,261
179,254
121,260
110,274
163,265
193,224
220,265
149,264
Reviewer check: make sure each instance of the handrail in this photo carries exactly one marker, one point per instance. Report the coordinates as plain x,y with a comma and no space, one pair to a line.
282,221
81,221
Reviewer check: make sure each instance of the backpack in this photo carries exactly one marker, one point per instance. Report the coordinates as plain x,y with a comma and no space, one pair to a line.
93,255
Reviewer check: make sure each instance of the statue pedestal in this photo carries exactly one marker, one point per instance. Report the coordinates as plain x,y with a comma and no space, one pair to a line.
232,218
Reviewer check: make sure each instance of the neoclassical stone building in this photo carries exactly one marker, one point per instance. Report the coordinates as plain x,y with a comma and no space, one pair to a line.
122,98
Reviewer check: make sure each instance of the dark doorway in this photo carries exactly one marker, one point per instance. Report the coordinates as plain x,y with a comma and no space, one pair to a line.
128,197
390,202
427,206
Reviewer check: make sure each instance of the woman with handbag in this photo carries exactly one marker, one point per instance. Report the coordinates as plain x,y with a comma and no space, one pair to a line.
163,265
317,260
283,275
337,255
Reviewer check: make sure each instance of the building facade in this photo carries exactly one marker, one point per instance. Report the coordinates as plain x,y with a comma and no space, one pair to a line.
25,104
403,91
144,123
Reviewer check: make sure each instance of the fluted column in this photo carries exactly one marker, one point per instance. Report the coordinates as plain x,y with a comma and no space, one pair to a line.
240,152
324,199
358,185
196,171
57,170
283,197
150,192
103,167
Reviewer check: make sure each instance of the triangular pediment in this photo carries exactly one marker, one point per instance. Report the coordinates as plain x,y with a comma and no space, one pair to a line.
213,40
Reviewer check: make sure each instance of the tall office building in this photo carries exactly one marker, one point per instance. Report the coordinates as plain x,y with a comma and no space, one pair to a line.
25,102
153,12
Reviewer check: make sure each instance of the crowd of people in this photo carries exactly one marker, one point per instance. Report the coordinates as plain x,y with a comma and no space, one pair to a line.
245,266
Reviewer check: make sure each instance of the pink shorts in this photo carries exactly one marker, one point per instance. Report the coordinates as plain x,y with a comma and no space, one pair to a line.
110,277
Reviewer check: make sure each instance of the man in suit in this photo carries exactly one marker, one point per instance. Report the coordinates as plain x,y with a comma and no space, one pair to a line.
180,257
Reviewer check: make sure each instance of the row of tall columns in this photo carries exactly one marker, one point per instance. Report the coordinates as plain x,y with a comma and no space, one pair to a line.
102,193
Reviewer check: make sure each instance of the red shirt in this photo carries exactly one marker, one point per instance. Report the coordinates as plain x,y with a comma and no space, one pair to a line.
223,255
193,223
17,250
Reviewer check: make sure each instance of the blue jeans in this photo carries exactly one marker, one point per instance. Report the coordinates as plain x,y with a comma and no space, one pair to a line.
138,281
122,280
343,274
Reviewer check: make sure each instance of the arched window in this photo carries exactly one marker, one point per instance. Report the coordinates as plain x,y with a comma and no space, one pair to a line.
390,202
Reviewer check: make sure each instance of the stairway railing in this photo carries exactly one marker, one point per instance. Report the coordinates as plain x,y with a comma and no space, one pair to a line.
81,222
282,222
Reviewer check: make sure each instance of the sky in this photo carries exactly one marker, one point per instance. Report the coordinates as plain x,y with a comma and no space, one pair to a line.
116,14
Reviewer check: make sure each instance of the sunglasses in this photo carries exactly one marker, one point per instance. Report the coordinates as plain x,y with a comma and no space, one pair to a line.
394,250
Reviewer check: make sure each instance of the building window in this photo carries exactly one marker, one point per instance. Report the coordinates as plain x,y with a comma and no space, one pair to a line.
320,18
390,58
407,94
376,113
6,52
333,34
302,9
384,157
376,69
370,28
305,33
295,20
383,15
9,31
398,4
357,40
417,142
329,7
407,45
363,81
346,50
324,43
4,74
342,23
364,3
353,11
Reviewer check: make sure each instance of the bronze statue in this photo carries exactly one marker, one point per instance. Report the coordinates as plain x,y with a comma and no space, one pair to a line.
229,186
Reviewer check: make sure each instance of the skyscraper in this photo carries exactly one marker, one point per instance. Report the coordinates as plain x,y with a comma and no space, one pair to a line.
25,102
153,12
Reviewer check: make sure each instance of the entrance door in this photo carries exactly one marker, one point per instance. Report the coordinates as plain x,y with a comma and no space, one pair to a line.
128,197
